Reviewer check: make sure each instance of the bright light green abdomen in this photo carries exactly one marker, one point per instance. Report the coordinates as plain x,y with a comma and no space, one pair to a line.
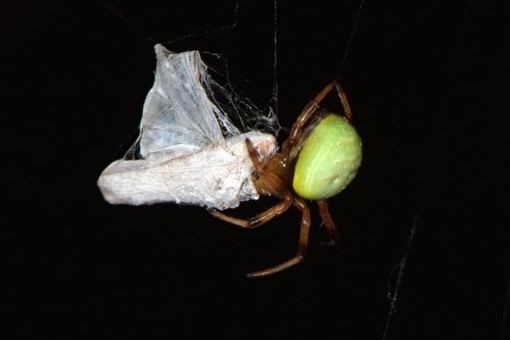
329,159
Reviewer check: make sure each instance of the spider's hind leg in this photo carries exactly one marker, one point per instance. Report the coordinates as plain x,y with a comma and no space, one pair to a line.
328,222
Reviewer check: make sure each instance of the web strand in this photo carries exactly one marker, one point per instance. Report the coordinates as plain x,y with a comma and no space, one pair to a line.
347,47
275,60
394,295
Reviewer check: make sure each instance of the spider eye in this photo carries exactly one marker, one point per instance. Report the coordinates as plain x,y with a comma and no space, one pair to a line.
329,159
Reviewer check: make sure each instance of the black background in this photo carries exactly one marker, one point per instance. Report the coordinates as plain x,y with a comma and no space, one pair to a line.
428,86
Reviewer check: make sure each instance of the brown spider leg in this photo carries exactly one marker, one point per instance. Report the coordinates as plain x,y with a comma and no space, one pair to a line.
345,102
302,247
273,185
305,115
257,220
328,222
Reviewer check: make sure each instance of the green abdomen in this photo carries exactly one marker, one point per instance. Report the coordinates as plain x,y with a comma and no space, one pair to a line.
329,159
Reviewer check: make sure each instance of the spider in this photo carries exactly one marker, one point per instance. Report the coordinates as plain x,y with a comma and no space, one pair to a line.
317,161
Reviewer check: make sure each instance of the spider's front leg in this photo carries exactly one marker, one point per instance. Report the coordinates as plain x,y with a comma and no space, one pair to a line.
304,116
311,108
302,247
266,216
257,220
269,183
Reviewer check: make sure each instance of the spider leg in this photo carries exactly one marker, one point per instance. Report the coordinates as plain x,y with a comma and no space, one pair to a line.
302,247
328,222
308,111
345,102
257,220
